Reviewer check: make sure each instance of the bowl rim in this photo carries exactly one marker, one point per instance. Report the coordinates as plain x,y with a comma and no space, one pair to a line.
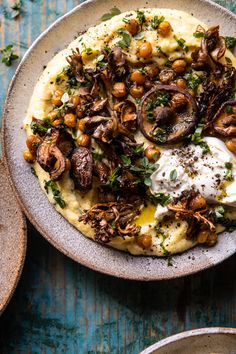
31,217
188,334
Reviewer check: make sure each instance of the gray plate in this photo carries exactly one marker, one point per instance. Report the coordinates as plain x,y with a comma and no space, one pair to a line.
45,218
199,341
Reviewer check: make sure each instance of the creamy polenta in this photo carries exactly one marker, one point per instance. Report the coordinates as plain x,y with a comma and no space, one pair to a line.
110,76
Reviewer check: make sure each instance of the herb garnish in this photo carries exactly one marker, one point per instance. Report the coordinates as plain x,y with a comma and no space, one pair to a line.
126,39
7,55
199,34
56,193
113,12
38,128
173,175
155,22
144,170
229,173
219,217
32,169
141,17
161,233
161,99
230,42
182,43
229,109
161,198
139,35
193,80
196,138
113,177
16,7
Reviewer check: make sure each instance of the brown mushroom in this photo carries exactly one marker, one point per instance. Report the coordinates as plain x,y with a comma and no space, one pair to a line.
224,121
99,105
129,115
82,168
102,171
167,126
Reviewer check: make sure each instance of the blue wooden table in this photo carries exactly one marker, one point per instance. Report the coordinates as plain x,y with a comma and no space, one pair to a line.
62,307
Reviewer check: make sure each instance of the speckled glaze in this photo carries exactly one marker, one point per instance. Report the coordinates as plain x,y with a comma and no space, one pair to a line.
35,204
215,340
12,240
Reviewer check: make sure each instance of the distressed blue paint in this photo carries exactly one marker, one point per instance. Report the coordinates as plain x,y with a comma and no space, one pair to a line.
62,307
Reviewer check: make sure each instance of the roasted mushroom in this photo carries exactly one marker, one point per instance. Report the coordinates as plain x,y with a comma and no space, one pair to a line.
158,120
112,219
224,121
82,168
102,171
50,157
129,115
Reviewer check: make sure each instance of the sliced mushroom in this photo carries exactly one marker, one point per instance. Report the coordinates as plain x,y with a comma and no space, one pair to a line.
44,156
60,164
102,171
167,126
129,115
99,105
225,123
82,168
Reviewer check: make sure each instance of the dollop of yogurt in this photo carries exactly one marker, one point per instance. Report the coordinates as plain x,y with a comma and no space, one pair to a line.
188,168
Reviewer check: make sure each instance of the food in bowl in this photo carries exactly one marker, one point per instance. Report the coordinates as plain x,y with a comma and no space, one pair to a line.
131,131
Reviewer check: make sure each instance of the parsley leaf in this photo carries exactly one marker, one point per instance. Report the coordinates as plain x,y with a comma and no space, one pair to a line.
126,160
230,42
182,43
155,22
229,173
162,199
144,170
229,109
141,17
113,12
56,193
173,175
160,99
126,39
193,80
196,138
16,7
199,34
7,55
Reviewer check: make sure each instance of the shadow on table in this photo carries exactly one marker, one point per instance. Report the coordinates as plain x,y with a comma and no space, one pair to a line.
61,306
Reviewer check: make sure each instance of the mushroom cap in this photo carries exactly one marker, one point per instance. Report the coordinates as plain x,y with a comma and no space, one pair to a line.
178,125
225,123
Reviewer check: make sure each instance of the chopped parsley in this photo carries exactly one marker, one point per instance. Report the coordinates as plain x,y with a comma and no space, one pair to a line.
8,55
126,160
196,138
199,34
193,80
160,99
160,133
32,169
126,39
173,175
16,7
113,12
112,179
160,232
87,50
229,173
139,35
144,170
38,128
230,42
182,44
229,109
138,150
155,22
56,193
141,17
162,199
219,212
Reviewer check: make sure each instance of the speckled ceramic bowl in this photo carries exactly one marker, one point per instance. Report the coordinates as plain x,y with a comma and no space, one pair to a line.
45,218
199,341
12,240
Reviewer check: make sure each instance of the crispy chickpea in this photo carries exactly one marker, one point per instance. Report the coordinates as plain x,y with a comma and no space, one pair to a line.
181,83
152,70
79,112
164,28
178,101
75,100
132,27
53,115
199,202
212,238
56,98
179,66
145,50
208,237
166,76
28,156
81,124
231,145
32,143
57,122
84,140
152,153
202,236
138,77
119,89
137,91
144,241
70,120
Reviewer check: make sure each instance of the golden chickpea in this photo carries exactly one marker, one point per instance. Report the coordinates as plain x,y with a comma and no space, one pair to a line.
231,145
152,70
208,237
32,143
137,91
164,28
81,124
202,236
75,100
119,89
199,202
28,156
57,122
138,77
132,27
79,112
178,101
70,120
181,83
179,66
152,153
212,238
144,241
52,115
56,98
145,50
84,140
